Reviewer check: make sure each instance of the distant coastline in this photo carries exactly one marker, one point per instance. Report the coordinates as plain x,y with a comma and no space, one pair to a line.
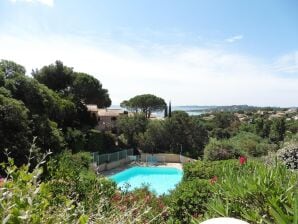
194,110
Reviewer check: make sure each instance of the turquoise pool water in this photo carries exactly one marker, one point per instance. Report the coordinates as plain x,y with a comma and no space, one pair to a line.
159,179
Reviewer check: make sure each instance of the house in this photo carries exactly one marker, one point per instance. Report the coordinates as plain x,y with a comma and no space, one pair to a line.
106,118
292,111
277,115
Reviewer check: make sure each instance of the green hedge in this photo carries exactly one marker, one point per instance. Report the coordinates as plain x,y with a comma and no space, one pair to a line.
189,199
207,169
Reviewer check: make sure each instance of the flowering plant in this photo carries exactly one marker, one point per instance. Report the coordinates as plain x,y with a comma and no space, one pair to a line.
242,160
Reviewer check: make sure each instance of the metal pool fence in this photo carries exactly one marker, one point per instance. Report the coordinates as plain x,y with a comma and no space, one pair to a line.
111,157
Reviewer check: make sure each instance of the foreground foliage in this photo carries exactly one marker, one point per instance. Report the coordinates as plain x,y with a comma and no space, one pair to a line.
248,190
71,193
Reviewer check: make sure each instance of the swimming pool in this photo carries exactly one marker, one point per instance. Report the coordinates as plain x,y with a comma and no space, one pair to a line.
159,179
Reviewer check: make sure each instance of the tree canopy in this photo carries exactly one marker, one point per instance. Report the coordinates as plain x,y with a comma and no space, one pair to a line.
10,68
131,126
171,134
146,103
14,132
55,76
79,86
88,89
50,107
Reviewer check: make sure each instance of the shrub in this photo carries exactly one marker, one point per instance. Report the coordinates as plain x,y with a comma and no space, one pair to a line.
220,150
24,198
207,169
141,199
69,175
263,148
251,144
256,193
188,200
75,139
289,155
220,133
247,142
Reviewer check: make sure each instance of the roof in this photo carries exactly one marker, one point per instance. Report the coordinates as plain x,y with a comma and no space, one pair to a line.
109,112
92,107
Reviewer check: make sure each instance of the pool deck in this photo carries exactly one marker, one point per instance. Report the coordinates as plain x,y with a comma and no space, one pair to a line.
119,169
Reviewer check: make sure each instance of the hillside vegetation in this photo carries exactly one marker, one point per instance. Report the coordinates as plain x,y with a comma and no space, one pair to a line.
246,160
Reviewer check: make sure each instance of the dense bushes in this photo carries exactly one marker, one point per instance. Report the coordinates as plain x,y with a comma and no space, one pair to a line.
188,199
220,150
72,194
175,134
255,193
143,203
25,199
207,169
69,174
247,190
98,141
154,139
250,144
244,143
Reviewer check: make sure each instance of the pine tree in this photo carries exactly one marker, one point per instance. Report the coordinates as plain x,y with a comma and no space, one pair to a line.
166,111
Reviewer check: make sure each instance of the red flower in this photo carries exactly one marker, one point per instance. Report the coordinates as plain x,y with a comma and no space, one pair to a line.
213,180
242,160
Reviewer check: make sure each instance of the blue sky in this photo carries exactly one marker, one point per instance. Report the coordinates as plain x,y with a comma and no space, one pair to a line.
191,52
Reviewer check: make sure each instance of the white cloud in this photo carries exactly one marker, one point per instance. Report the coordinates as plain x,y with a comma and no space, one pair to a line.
186,75
45,2
234,38
287,63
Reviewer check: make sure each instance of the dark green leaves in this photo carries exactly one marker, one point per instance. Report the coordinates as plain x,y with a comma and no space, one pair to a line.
146,103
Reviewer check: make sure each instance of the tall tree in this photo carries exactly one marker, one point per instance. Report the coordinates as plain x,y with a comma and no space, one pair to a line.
166,111
80,87
39,99
225,119
146,103
170,109
185,132
131,126
89,90
15,133
55,76
154,139
277,131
